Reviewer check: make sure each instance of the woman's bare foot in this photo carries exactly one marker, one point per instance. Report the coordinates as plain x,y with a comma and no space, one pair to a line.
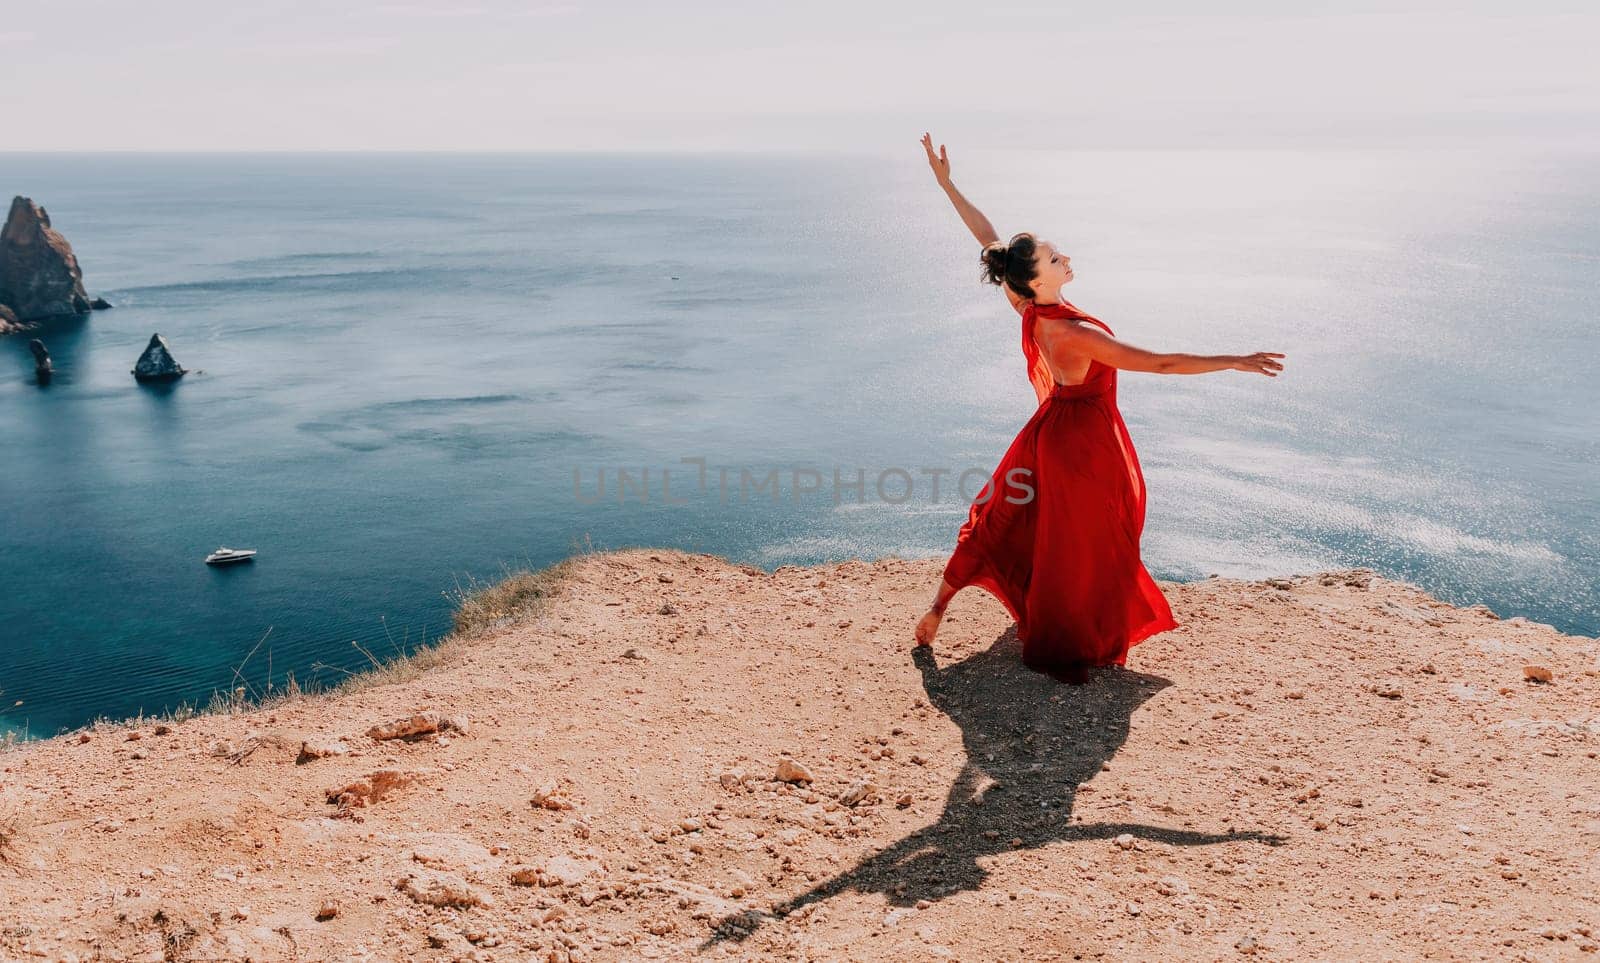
928,627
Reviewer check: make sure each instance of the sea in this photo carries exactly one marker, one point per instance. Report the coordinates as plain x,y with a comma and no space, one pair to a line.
411,375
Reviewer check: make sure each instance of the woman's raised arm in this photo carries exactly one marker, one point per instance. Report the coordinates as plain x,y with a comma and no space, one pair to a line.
971,216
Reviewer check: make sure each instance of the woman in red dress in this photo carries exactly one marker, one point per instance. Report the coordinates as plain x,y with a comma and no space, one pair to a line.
1054,534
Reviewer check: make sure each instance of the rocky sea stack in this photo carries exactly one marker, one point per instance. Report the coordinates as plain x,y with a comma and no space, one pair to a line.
39,274
41,360
157,363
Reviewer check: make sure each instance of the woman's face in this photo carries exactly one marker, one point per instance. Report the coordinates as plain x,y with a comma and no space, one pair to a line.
1052,269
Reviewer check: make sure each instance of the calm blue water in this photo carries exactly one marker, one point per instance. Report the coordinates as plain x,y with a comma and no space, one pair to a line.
405,359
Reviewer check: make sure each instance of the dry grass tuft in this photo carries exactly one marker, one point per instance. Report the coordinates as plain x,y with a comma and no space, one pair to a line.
513,598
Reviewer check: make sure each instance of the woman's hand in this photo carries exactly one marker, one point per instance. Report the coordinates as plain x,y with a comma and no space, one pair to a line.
970,216
1261,362
940,162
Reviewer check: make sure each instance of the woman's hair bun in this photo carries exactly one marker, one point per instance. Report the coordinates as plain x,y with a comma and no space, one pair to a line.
1010,263
996,262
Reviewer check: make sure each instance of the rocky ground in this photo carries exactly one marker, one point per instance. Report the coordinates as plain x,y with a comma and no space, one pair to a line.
677,757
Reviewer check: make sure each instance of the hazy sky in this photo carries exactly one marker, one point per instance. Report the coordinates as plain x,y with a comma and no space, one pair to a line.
860,75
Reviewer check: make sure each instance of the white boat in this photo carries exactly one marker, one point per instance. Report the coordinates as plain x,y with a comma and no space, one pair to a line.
224,555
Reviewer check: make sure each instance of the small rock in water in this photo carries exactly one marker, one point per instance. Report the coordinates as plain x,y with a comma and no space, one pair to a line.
157,363
41,357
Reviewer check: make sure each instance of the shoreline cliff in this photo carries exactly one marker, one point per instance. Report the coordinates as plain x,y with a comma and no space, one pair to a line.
656,754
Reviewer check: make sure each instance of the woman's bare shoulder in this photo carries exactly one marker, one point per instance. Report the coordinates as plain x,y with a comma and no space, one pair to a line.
1068,325
1064,333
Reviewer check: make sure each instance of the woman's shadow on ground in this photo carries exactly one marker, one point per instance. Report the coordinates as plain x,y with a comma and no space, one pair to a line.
1030,741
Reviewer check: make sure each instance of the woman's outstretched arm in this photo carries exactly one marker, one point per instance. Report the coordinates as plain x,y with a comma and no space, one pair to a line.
1087,340
971,216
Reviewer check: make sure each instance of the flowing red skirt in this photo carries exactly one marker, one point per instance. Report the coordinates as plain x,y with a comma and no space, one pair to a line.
1055,533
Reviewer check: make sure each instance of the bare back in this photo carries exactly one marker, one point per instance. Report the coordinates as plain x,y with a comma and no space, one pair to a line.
1065,368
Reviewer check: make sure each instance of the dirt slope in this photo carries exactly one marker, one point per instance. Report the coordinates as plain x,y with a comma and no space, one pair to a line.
1333,766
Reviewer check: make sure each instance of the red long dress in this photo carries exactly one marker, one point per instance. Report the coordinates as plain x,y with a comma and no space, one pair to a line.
1054,534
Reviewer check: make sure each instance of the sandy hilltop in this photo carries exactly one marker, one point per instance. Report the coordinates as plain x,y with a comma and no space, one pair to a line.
650,754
